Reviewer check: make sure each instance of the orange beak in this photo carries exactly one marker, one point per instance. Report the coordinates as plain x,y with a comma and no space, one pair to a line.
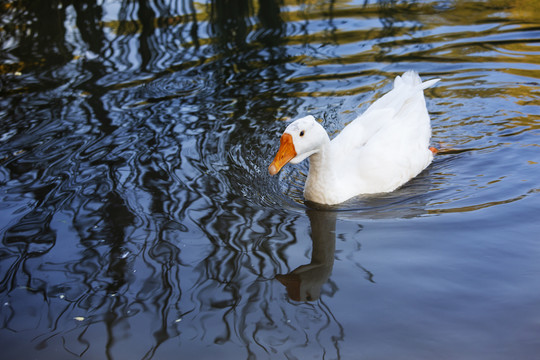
285,154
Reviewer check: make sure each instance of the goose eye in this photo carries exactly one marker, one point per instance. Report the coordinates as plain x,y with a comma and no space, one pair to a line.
302,133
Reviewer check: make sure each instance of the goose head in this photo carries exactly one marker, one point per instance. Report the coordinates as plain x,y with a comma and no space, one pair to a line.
301,139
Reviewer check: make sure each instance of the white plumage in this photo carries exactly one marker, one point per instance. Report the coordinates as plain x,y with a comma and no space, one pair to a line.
379,151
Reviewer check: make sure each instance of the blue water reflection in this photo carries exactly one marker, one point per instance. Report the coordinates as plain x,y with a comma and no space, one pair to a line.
138,220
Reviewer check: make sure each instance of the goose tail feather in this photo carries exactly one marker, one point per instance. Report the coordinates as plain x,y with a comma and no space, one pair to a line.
412,79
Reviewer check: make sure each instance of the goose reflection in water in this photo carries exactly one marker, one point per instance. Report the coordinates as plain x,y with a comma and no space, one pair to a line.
304,283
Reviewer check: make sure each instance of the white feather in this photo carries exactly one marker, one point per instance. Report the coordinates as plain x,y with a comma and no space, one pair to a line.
378,152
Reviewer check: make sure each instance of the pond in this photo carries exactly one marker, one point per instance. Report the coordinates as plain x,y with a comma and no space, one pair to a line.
138,219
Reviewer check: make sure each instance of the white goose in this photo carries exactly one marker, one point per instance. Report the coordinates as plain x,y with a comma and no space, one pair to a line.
378,152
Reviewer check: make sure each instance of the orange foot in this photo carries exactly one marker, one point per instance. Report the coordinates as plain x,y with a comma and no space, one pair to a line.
433,150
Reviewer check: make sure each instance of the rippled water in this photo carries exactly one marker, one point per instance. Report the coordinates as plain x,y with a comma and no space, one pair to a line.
138,220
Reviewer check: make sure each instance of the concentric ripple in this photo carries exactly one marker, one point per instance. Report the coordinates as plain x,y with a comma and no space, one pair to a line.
138,219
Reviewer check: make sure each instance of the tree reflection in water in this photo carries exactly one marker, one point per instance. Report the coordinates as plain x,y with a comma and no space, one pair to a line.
137,219
127,220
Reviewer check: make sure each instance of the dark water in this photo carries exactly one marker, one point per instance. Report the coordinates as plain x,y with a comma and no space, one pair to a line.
138,220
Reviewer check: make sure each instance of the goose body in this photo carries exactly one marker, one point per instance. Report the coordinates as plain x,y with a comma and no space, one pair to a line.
378,152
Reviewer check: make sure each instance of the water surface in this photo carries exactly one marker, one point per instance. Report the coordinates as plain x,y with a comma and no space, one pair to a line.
138,220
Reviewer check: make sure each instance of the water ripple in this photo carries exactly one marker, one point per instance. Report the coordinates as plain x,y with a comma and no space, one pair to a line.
134,146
